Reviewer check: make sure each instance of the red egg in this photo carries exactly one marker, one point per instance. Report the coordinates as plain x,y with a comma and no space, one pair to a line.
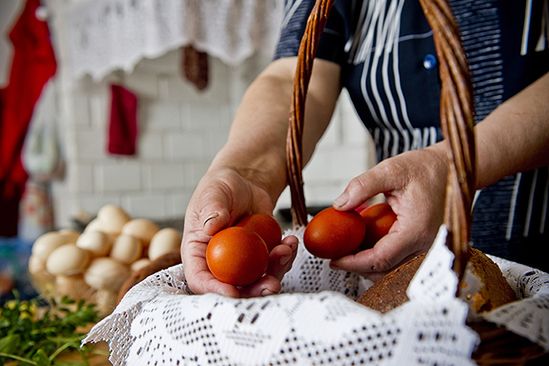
265,226
237,256
333,234
378,219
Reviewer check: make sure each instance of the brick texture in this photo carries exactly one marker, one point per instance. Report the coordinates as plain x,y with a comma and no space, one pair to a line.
181,129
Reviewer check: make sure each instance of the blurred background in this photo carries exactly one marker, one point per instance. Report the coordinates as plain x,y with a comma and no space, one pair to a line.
126,102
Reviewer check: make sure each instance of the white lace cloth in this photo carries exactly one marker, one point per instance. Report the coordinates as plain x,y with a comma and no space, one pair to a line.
159,323
104,35
528,317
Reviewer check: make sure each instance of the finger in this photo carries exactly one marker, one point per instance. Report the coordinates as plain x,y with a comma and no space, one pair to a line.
267,285
388,252
214,214
380,179
199,278
282,257
204,282
375,276
210,208
280,262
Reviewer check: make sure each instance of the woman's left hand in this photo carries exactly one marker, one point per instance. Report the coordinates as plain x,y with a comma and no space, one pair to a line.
414,184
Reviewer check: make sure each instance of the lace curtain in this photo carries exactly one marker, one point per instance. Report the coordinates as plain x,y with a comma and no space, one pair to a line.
104,35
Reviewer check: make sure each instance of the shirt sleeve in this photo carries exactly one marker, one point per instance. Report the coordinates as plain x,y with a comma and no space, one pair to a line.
296,13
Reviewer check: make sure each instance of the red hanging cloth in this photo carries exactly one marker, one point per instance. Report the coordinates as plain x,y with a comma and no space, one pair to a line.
33,64
123,125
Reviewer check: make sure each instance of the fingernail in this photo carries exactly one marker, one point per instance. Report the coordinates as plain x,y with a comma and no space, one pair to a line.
341,200
210,217
284,260
266,292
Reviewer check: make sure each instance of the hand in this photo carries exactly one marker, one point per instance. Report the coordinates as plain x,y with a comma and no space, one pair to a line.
414,184
220,199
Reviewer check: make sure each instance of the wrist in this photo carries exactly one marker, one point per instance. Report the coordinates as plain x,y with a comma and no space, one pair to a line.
263,170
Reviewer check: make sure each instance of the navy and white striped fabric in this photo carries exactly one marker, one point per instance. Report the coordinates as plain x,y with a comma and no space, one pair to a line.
387,57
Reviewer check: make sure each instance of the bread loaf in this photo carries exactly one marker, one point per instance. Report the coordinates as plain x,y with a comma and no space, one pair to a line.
390,291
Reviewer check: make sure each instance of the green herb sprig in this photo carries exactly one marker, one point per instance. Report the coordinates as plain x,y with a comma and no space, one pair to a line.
27,338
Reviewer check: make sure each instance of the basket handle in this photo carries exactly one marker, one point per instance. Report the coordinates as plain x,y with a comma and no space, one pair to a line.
305,57
456,118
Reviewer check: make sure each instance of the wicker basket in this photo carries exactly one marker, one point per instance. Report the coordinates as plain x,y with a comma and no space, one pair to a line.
498,346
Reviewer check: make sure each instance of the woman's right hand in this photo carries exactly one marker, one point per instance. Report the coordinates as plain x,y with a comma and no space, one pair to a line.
222,197
257,141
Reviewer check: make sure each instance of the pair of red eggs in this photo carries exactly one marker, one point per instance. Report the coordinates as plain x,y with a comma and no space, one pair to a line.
333,234
239,255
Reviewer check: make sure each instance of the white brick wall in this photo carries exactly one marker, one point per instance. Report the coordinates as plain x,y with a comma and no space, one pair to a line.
180,130
121,176
344,152
9,11
164,176
185,146
80,178
177,202
145,204
160,116
151,146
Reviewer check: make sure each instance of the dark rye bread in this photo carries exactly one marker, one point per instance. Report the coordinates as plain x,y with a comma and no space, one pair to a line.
390,291
496,291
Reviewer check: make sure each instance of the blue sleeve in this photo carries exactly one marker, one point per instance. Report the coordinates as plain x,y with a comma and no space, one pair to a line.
296,13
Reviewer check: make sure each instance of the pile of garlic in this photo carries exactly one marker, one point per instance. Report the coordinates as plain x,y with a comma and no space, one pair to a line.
93,265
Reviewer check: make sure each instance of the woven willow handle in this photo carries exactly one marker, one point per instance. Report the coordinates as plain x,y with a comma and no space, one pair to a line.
456,116
304,68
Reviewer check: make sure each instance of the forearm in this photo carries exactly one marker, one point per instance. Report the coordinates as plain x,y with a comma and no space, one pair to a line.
256,140
515,137
256,146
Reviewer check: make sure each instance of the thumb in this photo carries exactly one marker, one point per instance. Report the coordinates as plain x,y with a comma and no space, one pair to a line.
210,210
215,221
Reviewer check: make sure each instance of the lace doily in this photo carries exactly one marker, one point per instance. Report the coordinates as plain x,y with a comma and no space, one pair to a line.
159,323
528,317
104,35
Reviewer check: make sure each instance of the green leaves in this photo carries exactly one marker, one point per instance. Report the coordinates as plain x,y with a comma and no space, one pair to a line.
41,358
8,344
30,339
